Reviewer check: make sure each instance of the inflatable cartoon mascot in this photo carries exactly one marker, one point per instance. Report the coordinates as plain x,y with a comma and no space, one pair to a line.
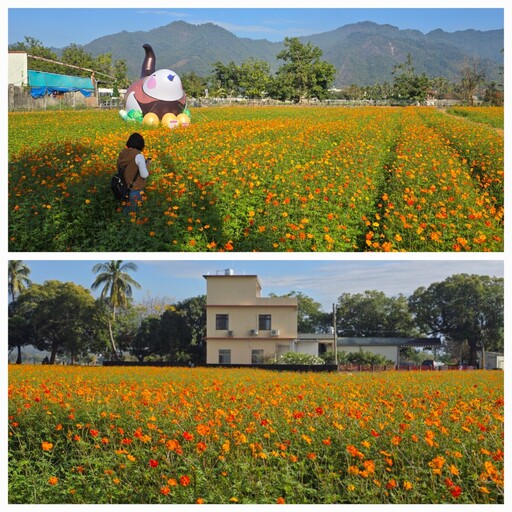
157,92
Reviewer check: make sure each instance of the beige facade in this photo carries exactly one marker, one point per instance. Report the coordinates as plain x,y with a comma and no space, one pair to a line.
390,352
242,327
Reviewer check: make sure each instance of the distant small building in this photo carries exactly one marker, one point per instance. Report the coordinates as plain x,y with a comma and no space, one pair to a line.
494,361
17,68
387,347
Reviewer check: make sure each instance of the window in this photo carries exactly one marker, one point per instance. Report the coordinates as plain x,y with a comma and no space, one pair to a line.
222,322
224,356
265,322
257,356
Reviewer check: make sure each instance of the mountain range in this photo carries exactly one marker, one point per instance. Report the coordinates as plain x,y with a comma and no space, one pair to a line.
362,53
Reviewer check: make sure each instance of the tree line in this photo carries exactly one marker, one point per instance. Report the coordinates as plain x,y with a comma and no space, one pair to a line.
303,75
64,319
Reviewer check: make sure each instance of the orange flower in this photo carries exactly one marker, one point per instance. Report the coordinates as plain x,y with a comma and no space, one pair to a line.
46,446
188,436
391,484
184,480
53,480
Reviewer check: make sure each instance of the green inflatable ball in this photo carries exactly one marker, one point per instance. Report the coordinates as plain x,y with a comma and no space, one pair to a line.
134,115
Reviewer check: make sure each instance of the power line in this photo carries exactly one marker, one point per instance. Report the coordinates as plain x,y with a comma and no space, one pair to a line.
68,65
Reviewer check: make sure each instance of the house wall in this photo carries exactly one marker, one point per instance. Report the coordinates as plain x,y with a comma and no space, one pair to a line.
239,297
244,319
494,360
389,352
17,68
305,347
232,289
241,349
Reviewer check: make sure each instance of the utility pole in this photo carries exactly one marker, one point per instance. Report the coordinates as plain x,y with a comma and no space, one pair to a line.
334,334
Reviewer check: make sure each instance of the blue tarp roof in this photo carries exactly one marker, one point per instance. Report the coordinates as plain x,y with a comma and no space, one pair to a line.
42,83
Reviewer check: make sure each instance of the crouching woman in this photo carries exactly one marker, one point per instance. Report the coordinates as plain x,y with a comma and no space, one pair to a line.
135,170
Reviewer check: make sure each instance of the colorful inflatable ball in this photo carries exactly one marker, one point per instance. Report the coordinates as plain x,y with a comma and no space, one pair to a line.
151,119
183,119
134,116
170,120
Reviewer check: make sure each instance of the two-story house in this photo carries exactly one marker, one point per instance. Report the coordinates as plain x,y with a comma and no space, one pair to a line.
242,327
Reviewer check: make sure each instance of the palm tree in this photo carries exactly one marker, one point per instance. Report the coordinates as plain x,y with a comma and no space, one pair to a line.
18,277
18,280
117,288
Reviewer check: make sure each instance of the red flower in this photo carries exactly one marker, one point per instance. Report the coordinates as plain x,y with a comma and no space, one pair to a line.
448,482
188,436
153,463
184,480
456,491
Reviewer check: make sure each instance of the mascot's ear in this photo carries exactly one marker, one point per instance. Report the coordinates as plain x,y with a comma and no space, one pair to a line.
148,65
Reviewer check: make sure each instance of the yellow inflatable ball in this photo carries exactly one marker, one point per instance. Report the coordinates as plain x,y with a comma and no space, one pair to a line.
183,119
151,119
170,120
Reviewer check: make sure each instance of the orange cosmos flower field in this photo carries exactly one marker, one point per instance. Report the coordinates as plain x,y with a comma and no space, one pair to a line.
263,179
205,435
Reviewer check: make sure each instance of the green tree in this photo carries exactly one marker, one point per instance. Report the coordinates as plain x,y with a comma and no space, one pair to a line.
225,77
17,281
183,330
194,85
303,75
120,74
77,56
116,285
372,313
148,339
58,318
471,78
254,78
34,47
407,84
464,309
494,95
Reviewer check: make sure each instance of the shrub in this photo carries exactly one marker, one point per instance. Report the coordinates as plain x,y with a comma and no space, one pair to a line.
298,358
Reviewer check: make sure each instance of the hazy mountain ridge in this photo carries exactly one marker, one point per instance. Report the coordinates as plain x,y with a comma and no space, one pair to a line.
363,53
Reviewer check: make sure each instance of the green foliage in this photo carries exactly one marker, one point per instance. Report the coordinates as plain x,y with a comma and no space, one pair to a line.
74,61
299,358
303,75
58,318
471,77
364,357
372,313
463,308
407,84
194,85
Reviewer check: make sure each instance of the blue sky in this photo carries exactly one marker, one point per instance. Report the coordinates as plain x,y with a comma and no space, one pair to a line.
323,280
61,26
